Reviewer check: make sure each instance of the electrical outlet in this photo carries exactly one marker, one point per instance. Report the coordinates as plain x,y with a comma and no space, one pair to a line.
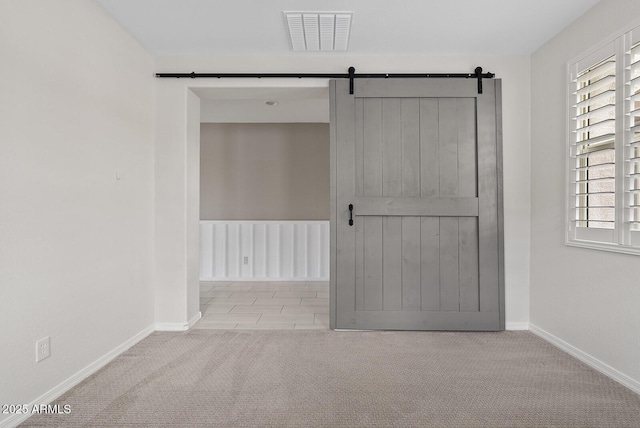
246,260
43,349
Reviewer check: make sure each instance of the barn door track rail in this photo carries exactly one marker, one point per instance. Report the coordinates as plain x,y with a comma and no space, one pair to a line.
351,75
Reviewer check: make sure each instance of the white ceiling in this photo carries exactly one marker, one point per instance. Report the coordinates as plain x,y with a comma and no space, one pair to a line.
402,27
428,27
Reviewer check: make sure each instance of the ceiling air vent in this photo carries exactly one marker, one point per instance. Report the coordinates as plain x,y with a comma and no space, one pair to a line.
319,31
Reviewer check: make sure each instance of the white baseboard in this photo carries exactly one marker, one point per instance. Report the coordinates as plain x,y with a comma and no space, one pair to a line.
74,380
194,320
178,326
516,326
589,360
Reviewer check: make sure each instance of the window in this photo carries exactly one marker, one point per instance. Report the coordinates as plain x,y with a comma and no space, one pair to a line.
603,198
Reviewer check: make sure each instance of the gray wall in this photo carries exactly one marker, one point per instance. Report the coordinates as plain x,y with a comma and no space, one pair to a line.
264,171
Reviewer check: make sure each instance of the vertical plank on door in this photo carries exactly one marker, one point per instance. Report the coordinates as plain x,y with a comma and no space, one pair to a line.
372,186
391,147
449,279
392,263
430,263
411,298
360,273
372,146
410,134
392,186
467,158
468,266
359,143
448,147
359,222
372,263
429,157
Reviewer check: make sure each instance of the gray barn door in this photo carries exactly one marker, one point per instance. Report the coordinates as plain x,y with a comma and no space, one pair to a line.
419,160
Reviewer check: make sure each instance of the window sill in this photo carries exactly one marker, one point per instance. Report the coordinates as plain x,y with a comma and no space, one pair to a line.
604,246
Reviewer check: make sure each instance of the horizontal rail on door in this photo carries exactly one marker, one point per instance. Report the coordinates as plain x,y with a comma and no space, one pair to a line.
388,206
351,75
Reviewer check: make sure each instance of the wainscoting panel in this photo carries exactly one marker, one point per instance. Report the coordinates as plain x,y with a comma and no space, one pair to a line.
264,250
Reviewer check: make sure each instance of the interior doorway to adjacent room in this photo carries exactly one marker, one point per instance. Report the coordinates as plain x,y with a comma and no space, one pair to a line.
264,208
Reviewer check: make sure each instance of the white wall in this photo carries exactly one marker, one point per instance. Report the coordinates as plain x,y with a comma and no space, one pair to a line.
75,243
177,188
193,205
587,298
171,241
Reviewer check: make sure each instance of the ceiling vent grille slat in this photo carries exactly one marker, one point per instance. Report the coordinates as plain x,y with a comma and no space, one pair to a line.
311,31
296,31
327,26
343,30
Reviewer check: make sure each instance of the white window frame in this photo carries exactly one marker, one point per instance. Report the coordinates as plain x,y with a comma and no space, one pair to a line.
621,239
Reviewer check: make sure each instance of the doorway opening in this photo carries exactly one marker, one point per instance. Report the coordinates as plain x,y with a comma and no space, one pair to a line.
264,208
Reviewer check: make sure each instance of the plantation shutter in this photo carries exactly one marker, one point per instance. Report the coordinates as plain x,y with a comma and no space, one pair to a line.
603,203
632,141
593,154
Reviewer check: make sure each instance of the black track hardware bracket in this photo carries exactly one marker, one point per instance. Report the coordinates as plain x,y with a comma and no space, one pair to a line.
352,72
351,75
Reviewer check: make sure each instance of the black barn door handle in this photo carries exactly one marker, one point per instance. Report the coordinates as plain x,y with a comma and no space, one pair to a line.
350,214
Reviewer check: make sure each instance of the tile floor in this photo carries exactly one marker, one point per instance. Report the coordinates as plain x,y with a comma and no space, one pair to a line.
264,305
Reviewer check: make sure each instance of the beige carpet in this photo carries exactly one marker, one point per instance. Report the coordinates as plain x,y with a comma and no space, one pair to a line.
333,379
